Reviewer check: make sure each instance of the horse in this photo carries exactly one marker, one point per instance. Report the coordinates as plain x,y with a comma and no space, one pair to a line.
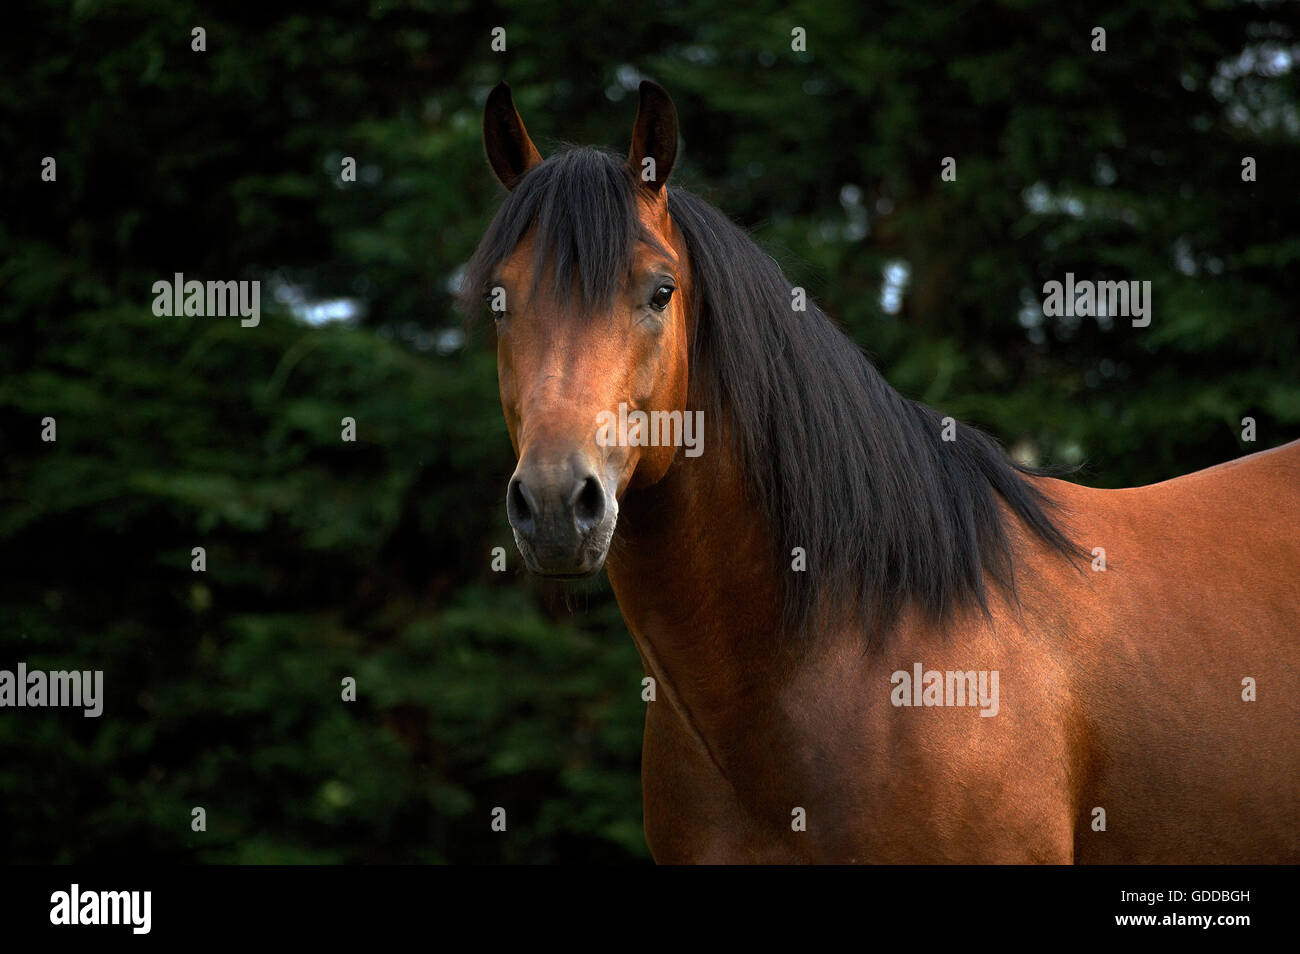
871,636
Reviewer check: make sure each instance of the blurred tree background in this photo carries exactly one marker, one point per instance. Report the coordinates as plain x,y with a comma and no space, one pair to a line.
372,559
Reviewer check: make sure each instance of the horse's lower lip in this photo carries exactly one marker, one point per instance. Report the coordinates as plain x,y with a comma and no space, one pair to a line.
569,577
567,560
562,569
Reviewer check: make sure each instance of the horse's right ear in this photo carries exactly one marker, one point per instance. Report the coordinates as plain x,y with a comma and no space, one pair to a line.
509,150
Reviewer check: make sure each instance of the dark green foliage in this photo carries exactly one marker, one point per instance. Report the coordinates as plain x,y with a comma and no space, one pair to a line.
371,559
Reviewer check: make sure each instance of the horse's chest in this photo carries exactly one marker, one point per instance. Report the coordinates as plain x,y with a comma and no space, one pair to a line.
940,798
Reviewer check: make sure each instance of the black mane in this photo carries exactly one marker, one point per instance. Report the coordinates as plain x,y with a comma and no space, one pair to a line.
842,465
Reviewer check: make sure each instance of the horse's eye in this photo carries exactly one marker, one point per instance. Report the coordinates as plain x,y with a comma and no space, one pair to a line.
494,300
663,294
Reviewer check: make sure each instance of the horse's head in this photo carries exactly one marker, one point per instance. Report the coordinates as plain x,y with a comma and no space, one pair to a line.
587,280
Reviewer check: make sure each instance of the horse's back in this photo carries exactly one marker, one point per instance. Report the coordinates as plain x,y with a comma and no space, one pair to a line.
1185,629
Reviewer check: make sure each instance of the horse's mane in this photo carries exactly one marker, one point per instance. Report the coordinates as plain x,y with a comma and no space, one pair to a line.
887,512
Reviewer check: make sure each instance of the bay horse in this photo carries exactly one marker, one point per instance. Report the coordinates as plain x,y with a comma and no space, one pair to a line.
872,636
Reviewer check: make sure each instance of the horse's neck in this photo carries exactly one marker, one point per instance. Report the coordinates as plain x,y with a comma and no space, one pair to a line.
694,571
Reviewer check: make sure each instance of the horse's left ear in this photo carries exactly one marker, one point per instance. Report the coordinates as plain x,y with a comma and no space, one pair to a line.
654,137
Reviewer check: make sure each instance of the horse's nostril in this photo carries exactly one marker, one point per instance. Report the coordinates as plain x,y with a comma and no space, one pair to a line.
542,513
518,508
588,503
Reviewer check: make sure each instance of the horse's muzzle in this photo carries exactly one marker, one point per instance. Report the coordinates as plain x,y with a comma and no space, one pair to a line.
562,516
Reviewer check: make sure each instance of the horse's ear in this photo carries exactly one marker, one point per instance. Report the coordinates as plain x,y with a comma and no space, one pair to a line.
654,137
509,150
